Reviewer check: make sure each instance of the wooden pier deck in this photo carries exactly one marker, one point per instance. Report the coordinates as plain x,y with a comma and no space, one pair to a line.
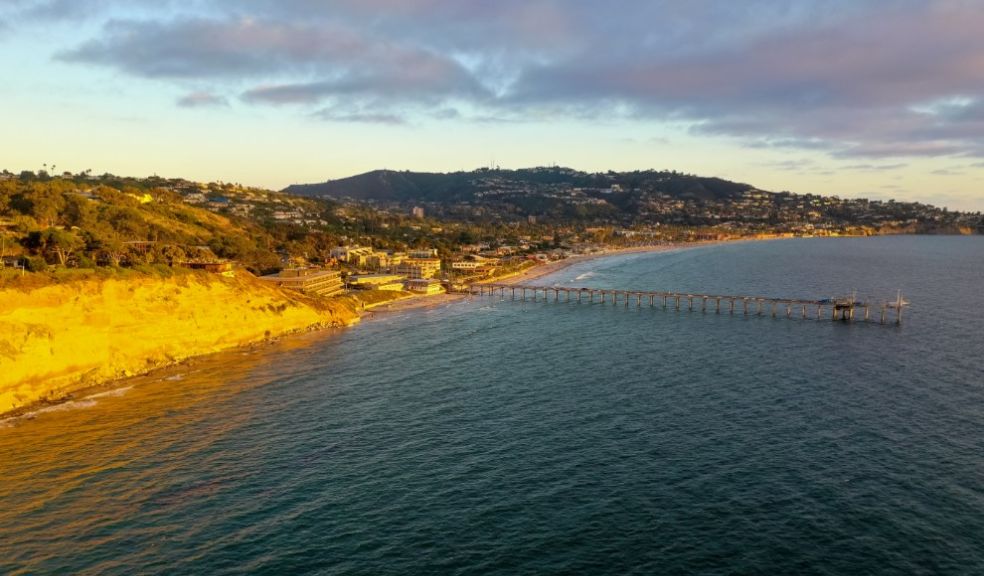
847,309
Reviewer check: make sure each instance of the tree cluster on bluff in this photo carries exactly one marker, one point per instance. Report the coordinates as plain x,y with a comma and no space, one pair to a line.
81,221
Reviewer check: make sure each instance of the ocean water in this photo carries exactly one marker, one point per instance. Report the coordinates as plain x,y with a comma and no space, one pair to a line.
500,437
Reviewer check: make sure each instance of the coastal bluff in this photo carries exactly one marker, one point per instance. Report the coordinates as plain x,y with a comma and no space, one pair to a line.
60,338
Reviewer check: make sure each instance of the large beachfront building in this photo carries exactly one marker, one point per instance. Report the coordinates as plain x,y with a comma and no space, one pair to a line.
425,286
311,281
418,267
376,282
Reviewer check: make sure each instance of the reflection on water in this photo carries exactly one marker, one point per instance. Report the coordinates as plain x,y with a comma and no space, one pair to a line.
65,456
498,437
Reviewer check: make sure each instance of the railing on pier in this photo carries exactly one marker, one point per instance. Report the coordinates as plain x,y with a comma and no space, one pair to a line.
847,309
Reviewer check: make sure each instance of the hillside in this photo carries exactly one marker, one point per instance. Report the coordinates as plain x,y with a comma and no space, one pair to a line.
392,186
638,200
84,221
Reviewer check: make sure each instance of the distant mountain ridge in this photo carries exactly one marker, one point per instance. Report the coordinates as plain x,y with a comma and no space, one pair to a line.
645,198
405,186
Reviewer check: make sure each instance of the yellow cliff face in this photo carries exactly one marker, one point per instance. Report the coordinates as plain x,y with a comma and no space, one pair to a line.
61,338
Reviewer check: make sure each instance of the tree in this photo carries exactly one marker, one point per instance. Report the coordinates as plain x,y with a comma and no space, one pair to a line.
54,242
62,243
169,254
107,242
45,204
79,212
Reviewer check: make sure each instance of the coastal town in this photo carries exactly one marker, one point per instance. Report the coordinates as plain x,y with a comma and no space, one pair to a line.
326,240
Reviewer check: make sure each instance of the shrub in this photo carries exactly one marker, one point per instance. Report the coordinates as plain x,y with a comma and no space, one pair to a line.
35,264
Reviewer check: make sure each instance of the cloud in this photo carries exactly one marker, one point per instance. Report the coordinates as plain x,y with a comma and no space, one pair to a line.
359,116
876,79
874,167
202,100
792,165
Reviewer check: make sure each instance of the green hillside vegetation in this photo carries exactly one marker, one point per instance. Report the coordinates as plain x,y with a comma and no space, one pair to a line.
68,224
78,222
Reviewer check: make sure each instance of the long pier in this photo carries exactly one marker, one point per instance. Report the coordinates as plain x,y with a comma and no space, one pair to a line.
847,309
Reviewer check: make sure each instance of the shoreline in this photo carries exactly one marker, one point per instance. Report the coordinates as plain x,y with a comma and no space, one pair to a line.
368,313
549,268
426,302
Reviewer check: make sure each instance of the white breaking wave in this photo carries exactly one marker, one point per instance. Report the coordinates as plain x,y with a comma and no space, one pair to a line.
63,407
110,393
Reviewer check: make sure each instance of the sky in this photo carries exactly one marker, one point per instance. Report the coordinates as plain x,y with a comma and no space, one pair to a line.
856,98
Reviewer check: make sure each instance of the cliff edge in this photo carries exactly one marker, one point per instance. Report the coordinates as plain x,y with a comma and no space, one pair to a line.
63,337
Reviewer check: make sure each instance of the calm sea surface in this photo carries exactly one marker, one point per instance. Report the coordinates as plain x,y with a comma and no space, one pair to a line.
499,437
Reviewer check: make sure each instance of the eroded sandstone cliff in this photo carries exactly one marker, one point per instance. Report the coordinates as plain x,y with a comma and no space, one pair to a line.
64,337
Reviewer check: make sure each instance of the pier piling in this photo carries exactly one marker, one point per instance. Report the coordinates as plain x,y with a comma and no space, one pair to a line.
843,309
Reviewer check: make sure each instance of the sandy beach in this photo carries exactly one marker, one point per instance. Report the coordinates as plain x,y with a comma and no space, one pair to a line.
524,276
548,268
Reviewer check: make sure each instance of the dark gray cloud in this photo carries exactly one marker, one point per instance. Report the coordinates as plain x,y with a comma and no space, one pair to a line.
874,79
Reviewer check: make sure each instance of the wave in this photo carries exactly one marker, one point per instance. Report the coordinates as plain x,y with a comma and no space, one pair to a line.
62,407
585,276
110,393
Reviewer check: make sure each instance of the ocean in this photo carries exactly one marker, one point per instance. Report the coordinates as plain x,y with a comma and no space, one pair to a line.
490,436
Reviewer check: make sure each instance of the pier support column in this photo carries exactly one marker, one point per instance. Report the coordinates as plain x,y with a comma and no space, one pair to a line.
732,306
690,303
718,306
819,311
703,304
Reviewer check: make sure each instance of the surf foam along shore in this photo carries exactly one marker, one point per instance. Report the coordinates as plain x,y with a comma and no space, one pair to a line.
61,338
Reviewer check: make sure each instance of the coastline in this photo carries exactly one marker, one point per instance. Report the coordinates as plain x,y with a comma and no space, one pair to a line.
549,268
422,302
62,338
404,303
